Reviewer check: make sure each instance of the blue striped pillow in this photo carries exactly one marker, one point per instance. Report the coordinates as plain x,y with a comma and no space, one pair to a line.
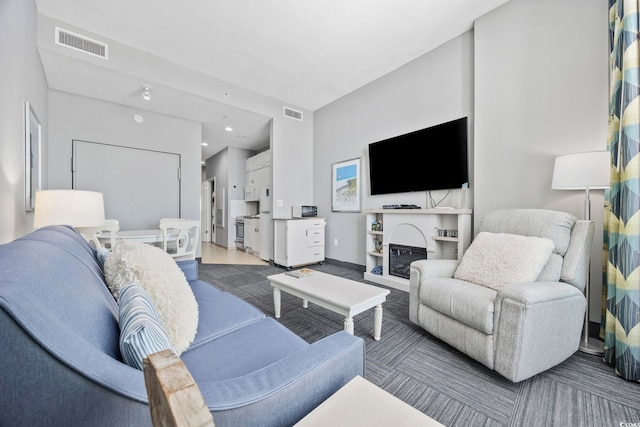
141,331
102,255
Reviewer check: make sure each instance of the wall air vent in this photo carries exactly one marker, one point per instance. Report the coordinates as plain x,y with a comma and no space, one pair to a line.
81,43
294,114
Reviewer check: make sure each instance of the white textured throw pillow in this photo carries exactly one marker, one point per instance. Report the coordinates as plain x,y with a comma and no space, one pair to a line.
159,275
495,260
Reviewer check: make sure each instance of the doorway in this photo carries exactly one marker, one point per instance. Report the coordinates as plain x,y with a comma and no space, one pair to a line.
213,220
208,211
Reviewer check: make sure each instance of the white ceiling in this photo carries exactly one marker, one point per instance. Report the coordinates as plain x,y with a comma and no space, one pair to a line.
305,53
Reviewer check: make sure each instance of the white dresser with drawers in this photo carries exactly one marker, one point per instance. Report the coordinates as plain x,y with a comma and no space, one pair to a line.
298,241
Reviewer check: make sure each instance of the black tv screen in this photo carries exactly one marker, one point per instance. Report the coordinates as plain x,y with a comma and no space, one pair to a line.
434,158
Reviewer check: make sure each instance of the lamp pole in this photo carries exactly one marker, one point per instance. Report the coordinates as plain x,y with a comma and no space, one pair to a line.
584,171
588,345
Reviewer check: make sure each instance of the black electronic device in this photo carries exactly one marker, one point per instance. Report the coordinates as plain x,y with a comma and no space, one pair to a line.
434,158
400,207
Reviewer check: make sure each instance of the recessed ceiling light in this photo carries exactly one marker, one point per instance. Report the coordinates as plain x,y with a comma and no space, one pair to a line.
229,129
138,118
204,144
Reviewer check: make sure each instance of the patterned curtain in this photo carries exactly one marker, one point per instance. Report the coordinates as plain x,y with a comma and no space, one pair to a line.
621,320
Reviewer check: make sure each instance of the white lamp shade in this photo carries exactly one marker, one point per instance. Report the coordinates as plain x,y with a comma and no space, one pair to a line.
580,171
76,208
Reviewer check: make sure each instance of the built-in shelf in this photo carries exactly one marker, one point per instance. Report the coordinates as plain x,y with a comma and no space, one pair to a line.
414,227
446,239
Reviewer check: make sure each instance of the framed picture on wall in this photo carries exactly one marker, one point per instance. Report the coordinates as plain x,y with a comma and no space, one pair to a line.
345,186
32,153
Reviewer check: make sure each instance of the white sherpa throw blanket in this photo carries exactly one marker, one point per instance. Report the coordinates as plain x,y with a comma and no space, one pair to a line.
164,281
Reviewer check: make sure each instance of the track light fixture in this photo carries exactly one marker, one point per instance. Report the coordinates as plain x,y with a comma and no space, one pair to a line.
146,92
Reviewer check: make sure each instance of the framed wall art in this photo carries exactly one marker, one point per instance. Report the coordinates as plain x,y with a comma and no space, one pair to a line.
345,186
33,161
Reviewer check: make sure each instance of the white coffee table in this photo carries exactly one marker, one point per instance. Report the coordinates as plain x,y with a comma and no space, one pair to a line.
361,403
340,295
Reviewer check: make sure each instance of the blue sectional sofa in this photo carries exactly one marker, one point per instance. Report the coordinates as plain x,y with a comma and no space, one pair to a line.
61,363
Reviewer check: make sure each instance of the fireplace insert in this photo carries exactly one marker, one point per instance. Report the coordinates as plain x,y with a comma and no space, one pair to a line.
401,257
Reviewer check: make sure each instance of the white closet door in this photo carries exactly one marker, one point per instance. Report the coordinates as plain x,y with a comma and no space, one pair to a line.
139,186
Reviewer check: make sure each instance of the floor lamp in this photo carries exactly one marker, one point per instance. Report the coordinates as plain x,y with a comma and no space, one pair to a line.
583,171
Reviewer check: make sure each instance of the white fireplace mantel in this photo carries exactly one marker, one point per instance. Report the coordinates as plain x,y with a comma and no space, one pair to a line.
413,227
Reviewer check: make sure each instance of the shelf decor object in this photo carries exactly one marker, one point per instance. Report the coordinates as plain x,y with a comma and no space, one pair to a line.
345,186
585,172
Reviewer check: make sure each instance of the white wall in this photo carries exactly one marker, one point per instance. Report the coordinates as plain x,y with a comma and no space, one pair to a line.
433,89
77,117
540,91
291,140
21,79
532,77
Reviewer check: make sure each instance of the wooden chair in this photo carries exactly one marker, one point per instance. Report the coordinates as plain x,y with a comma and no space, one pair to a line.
174,397
92,233
184,245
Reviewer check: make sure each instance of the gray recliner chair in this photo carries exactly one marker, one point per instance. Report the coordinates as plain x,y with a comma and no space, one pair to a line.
518,329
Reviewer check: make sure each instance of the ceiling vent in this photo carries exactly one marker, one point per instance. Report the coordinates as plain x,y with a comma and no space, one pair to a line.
81,43
294,114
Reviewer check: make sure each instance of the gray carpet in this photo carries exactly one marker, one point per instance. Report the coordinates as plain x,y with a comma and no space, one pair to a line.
439,380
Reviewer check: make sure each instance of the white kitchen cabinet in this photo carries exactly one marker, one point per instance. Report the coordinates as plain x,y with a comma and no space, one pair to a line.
258,175
252,235
260,160
298,241
266,237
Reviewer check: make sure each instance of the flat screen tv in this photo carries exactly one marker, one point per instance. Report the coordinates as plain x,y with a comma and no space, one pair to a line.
434,158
